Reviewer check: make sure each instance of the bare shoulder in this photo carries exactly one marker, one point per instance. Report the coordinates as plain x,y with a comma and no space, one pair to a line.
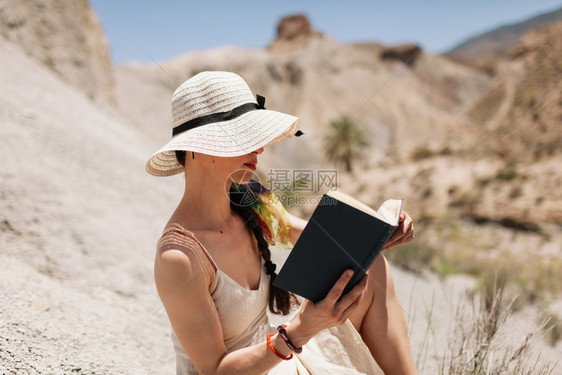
181,258
174,269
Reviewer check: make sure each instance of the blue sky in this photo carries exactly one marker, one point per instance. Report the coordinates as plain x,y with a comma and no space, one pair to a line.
139,30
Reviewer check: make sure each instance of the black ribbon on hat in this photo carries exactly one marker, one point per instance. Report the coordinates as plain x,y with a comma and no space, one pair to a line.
222,116
270,267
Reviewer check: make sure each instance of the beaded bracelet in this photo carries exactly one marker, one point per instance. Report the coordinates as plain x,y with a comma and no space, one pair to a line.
275,351
285,337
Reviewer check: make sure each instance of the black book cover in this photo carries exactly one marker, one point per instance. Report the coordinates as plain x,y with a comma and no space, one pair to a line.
337,237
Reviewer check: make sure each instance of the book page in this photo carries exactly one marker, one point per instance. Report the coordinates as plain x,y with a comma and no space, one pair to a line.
388,212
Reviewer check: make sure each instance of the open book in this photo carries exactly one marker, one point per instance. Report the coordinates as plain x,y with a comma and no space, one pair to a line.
342,233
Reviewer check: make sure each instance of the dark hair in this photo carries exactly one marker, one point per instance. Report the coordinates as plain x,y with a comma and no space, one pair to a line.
180,156
280,300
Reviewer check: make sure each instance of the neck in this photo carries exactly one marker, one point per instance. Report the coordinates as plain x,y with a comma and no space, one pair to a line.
205,204
209,207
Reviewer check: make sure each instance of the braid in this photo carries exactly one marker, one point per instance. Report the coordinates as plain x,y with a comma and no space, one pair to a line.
279,299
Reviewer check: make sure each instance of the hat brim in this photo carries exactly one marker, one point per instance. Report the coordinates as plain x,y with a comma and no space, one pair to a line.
239,136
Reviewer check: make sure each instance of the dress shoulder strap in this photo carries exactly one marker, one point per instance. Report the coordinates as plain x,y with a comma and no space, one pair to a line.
177,237
176,228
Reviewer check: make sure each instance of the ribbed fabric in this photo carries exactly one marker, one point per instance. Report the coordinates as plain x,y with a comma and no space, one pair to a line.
174,239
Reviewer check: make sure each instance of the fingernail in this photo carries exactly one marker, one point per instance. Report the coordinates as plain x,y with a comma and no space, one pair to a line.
349,273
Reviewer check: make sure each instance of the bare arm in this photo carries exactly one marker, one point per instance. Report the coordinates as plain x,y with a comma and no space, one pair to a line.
184,291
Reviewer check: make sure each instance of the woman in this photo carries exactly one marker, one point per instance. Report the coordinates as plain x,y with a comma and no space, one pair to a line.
213,269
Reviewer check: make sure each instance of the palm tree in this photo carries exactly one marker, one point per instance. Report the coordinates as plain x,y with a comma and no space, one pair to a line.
345,142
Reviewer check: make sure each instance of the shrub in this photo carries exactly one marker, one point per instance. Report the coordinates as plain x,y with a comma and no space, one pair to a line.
421,152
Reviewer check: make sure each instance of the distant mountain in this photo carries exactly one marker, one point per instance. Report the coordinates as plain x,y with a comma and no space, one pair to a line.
503,38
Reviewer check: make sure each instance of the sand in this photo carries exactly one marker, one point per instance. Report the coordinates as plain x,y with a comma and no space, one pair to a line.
79,221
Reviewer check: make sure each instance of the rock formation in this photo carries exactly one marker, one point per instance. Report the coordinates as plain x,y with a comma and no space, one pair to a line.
66,36
292,32
408,53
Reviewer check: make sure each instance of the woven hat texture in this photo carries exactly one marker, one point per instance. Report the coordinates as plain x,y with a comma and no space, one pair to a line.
210,93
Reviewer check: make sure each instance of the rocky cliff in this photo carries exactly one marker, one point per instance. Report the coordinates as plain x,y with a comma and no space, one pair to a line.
292,32
66,36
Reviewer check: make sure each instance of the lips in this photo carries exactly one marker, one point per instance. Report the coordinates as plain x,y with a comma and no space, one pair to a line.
251,165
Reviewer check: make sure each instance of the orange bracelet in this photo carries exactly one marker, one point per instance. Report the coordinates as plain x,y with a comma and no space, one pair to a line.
275,351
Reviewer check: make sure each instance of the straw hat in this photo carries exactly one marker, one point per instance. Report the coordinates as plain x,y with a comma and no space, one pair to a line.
215,113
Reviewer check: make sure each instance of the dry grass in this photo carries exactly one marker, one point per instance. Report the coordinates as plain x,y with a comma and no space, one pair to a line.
477,343
552,328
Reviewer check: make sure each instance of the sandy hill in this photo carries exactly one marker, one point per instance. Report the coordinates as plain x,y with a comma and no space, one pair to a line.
79,217
77,236
523,106
518,121
506,162
504,38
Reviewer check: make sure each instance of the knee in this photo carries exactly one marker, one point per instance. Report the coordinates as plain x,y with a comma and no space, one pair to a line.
377,275
380,277
380,269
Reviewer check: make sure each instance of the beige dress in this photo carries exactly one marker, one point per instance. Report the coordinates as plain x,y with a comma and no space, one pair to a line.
242,312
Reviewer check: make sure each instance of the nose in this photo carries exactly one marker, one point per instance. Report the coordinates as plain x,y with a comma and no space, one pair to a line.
258,151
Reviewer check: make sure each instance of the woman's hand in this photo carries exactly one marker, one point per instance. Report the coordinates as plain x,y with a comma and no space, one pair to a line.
403,234
331,311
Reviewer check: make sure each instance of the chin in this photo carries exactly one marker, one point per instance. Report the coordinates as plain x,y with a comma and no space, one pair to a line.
241,176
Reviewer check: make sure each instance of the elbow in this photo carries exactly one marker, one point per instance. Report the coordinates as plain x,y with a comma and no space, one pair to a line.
218,368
